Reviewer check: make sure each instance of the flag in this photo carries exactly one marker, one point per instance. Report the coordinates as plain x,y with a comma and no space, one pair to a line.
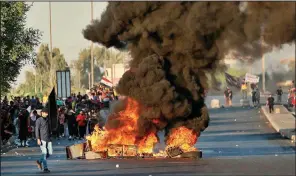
232,80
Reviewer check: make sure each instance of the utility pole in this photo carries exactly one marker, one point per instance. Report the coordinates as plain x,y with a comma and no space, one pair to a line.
105,59
263,61
35,83
263,73
89,84
79,81
91,50
50,53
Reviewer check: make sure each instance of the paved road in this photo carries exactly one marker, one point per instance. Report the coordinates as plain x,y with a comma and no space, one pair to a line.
238,142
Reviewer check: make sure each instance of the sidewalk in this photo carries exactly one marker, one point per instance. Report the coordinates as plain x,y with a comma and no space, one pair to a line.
283,122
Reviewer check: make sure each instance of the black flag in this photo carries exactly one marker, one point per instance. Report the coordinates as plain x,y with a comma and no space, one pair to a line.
232,80
52,106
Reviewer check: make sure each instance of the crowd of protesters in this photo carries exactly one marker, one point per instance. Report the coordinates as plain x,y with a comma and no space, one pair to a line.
77,115
16,118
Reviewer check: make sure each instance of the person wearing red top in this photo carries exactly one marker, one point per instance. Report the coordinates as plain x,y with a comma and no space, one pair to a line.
81,119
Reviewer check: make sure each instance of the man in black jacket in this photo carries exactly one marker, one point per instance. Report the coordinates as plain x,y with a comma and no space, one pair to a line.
279,93
43,139
270,102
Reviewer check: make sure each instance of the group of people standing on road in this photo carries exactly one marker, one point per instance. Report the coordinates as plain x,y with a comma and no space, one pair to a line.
255,95
17,120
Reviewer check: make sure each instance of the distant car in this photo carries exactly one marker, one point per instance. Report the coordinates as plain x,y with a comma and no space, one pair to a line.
291,98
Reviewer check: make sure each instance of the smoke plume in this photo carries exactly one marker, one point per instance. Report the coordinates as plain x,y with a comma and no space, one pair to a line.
175,45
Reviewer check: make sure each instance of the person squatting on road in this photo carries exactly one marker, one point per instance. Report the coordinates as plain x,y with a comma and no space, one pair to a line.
279,93
270,103
43,140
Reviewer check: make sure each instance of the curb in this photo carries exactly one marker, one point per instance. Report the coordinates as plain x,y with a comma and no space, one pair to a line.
283,122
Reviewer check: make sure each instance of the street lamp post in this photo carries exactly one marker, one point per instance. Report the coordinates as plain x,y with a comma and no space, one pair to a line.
89,83
50,54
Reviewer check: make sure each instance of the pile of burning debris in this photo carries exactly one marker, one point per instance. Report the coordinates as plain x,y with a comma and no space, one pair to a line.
123,141
84,151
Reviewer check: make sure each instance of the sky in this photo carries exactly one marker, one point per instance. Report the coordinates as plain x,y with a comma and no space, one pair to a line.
69,18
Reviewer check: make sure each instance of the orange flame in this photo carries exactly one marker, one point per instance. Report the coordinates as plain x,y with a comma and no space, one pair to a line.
182,137
125,133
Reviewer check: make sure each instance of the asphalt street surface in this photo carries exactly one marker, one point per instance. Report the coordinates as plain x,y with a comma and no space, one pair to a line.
238,141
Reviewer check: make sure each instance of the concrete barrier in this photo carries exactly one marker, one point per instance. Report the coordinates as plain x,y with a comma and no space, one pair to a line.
215,103
283,121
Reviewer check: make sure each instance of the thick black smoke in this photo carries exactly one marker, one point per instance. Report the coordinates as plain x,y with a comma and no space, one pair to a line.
175,44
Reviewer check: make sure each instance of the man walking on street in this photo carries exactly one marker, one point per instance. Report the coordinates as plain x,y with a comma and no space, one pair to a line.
254,97
43,140
270,102
257,96
279,93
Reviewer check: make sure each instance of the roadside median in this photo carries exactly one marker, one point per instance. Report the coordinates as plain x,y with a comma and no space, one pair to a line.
281,120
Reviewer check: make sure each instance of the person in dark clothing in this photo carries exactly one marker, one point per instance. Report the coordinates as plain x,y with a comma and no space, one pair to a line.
43,135
7,131
279,93
33,103
79,96
254,97
72,124
23,127
270,102
226,96
6,126
27,102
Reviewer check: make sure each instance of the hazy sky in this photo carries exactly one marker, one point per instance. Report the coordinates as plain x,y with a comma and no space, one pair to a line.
69,18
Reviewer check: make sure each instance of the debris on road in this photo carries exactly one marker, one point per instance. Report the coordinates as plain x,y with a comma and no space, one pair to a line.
75,151
117,165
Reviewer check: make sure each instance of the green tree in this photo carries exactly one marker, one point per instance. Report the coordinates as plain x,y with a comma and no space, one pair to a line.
291,65
45,67
28,87
102,57
17,42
